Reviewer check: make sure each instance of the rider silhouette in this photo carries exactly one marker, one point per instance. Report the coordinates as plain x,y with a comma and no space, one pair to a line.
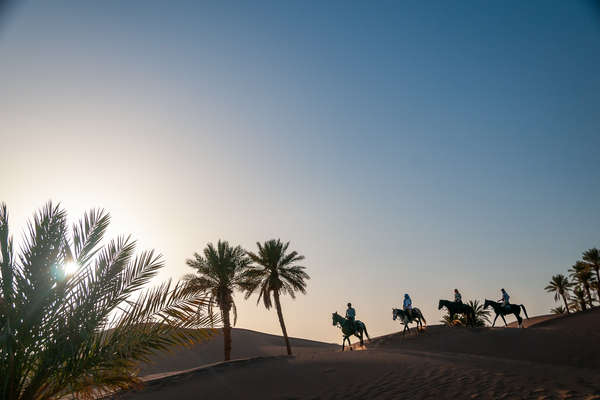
350,313
457,296
407,305
504,299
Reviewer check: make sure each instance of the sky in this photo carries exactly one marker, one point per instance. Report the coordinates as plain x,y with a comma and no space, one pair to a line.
400,146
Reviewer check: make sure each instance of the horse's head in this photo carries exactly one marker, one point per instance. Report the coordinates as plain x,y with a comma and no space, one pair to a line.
334,317
394,313
487,303
440,304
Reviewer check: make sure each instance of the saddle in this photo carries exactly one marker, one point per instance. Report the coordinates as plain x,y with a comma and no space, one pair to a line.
352,323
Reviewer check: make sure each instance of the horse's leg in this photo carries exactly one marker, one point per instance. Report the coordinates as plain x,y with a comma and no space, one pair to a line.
494,323
360,336
519,319
504,319
344,343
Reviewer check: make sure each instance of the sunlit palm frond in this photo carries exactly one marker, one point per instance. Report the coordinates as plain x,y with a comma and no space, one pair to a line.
83,333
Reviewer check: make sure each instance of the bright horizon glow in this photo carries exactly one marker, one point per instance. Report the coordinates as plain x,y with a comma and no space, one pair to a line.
401,147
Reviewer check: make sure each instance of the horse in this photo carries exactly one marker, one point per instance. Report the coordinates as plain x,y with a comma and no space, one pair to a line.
458,308
500,310
416,316
349,329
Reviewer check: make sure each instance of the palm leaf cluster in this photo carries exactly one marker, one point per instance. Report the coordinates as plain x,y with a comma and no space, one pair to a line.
81,334
271,272
482,316
220,272
580,290
558,310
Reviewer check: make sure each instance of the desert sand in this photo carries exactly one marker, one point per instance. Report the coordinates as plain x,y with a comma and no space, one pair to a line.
552,358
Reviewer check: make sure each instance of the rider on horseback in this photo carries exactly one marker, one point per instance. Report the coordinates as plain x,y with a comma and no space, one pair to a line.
504,299
350,314
407,305
457,297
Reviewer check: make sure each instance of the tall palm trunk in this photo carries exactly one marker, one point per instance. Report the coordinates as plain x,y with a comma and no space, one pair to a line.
589,294
566,304
226,332
597,269
281,322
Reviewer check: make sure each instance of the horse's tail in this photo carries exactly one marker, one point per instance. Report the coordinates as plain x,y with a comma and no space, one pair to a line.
366,333
525,311
423,317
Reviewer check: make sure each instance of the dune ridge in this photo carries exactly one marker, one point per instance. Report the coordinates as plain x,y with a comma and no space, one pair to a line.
553,358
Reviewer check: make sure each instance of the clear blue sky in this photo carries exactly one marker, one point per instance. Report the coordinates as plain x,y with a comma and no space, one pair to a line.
401,146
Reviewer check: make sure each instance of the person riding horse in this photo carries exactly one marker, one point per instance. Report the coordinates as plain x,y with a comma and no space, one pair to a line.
350,314
504,299
407,305
457,297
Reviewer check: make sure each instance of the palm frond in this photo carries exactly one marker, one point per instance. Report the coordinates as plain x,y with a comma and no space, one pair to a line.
63,335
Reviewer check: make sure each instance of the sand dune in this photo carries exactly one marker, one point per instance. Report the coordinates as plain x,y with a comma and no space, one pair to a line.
246,343
555,358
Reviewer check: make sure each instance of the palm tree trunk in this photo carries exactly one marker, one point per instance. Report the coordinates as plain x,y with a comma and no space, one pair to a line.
227,334
587,290
281,322
597,269
566,305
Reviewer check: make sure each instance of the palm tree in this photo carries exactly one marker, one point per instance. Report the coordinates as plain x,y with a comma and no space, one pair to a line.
560,285
579,301
582,274
482,316
74,331
592,258
276,272
559,310
221,271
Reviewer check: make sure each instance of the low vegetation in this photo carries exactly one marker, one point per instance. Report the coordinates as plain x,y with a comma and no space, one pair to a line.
482,316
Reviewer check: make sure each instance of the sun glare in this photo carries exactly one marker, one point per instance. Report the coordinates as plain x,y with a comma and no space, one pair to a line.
70,268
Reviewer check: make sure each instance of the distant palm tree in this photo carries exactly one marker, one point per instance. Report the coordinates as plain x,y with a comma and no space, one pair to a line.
482,316
592,258
221,271
559,310
68,326
582,274
579,301
560,285
277,272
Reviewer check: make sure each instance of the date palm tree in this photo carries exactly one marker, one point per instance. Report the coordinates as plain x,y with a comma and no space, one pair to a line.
276,272
579,300
582,274
482,316
559,285
559,310
592,258
74,331
221,271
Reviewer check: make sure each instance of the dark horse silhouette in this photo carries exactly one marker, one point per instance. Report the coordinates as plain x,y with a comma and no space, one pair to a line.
500,310
349,329
416,316
458,308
